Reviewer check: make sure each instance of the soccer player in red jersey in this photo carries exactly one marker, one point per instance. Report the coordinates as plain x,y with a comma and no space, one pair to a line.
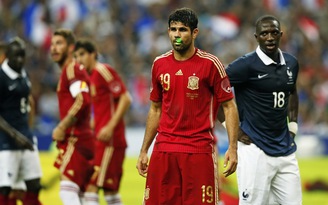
188,85
110,101
73,134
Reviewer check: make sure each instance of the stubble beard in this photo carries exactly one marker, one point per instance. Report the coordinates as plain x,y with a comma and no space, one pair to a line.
62,60
181,49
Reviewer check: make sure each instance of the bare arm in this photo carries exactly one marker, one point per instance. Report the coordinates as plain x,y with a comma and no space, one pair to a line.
31,114
58,133
293,109
154,115
123,105
232,126
19,138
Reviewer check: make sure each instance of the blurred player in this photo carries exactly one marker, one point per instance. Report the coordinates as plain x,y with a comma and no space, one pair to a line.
264,82
110,101
2,52
17,164
18,189
188,85
73,133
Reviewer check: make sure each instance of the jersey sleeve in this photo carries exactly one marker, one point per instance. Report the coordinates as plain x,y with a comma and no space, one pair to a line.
79,89
237,71
222,85
107,76
116,85
156,88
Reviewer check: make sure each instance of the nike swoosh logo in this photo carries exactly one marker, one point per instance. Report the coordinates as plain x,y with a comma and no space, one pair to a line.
262,76
12,87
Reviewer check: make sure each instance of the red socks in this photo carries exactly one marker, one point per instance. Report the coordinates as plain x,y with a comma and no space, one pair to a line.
4,200
11,201
31,199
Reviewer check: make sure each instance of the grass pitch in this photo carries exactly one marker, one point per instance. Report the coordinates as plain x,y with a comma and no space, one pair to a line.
132,186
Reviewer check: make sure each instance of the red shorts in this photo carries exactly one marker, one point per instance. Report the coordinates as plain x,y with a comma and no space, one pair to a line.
75,160
182,179
108,167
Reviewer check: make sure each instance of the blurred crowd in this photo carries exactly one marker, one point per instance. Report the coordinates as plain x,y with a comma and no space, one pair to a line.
131,33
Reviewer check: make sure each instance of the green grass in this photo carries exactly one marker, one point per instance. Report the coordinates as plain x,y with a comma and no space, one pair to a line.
132,186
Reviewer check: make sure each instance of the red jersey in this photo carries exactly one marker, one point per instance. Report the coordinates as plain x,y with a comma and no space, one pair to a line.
106,88
190,92
74,74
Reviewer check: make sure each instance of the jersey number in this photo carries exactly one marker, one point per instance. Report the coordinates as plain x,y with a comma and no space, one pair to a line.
207,194
24,106
278,99
165,81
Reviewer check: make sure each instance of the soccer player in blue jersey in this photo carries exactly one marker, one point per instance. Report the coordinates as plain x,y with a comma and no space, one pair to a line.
264,82
16,161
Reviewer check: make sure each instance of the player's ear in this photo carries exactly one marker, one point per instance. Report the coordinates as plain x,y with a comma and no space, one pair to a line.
71,48
255,35
195,33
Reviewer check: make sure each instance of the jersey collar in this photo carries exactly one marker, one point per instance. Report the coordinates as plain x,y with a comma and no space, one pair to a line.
267,60
10,72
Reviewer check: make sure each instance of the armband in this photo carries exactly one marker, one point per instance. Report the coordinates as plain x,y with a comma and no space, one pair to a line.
224,124
293,127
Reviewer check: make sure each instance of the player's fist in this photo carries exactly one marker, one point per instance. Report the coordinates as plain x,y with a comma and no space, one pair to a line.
58,134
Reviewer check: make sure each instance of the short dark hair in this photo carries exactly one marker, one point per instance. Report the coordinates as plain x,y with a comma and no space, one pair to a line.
15,41
266,18
186,16
86,44
67,34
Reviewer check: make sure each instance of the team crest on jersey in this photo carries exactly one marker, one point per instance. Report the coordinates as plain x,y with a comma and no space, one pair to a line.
193,82
225,84
146,195
290,76
115,87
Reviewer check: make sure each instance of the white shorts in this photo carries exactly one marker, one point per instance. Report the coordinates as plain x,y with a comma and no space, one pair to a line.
17,166
267,180
19,185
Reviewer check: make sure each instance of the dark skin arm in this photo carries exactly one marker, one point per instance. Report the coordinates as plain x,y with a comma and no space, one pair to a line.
293,108
31,116
19,138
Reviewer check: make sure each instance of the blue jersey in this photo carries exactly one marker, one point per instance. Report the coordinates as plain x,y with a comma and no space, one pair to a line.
262,89
14,104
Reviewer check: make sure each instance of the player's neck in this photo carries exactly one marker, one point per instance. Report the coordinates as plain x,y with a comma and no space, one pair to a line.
182,56
92,66
68,60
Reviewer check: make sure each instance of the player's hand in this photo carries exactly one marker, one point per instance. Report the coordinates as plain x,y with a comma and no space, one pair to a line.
230,161
58,134
142,164
105,134
292,134
242,137
21,140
